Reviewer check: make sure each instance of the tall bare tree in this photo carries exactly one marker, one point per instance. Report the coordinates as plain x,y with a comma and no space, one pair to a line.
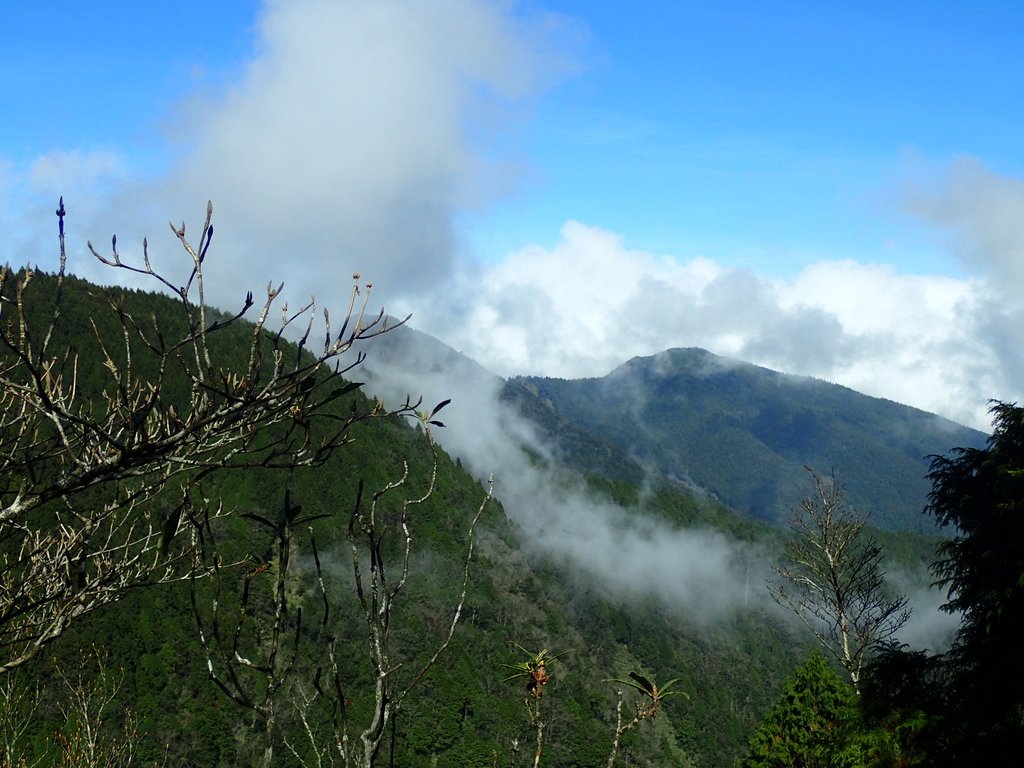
254,667
80,471
88,740
832,577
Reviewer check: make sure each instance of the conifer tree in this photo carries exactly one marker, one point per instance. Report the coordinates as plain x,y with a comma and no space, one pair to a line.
980,492
810,725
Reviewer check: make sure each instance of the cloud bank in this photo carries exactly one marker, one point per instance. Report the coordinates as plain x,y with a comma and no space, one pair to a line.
589,303
939,343
360,135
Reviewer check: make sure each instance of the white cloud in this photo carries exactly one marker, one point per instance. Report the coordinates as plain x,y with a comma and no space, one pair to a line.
355,137
86,179
75,169
591,302
360,131
981,212
564,311
350,142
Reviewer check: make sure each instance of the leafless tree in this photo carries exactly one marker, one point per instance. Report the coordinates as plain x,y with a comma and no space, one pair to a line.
80,471
89,741
255,678
832,578
16,717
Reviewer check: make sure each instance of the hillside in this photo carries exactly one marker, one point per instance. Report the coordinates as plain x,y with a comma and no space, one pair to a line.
465,712
745,433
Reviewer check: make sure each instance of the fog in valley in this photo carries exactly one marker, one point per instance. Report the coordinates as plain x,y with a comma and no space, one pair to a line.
701,573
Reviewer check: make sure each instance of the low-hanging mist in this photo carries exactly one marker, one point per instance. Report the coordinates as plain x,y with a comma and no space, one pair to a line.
700,572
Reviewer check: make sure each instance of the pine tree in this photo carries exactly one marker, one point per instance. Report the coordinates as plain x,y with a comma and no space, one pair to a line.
810,725
981,493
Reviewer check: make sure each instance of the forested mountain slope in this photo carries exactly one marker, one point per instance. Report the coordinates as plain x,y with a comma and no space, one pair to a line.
465,712
745,433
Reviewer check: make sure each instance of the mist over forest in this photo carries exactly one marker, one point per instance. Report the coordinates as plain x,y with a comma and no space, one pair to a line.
695,569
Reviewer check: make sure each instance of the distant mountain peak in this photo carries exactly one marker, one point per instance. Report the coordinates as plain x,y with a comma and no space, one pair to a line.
745,433
676,359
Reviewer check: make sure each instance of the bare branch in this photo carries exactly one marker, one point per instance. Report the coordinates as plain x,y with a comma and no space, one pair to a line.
109,464
256,682
832,578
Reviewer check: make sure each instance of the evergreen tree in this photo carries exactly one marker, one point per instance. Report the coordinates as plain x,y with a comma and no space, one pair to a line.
810,725
966,707
981,493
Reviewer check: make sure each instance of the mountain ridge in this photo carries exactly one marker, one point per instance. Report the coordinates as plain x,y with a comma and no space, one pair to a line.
745,433
685,417
724,362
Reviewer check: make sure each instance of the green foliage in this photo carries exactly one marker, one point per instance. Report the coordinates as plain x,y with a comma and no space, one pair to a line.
981,493
966,707
536,668
649,689
464,715
811,725
903,698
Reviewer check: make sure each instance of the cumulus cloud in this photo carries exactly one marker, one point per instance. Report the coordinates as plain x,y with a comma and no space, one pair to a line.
940,343
87,179
356,135
980,212
350,141
590,302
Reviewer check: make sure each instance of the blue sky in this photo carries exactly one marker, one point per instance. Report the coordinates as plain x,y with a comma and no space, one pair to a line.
824,188
763,136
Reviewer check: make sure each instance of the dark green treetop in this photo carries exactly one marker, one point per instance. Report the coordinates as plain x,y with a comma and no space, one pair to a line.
981,493
809,725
